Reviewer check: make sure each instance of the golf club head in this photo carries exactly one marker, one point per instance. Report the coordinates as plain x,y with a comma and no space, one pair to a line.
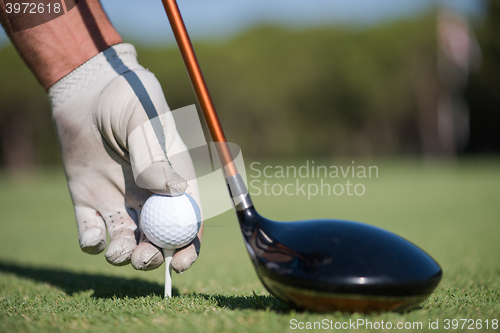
334,265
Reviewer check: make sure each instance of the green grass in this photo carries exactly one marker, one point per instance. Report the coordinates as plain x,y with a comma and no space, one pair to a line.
47,284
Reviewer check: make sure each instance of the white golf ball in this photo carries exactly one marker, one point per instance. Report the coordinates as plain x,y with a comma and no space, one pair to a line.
170,222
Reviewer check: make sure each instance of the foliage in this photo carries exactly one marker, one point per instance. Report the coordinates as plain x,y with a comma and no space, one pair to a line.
325,91
23,99
319,91
482,92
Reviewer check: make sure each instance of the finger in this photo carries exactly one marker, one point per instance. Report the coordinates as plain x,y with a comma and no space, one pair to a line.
146,255
123,232
91,230
186,256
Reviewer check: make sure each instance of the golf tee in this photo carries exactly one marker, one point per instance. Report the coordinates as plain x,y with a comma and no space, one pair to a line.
167,255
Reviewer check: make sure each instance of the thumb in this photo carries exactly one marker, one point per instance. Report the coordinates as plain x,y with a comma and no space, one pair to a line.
132,113
152,170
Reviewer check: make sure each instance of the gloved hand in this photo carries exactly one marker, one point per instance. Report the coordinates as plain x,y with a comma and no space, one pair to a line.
115,132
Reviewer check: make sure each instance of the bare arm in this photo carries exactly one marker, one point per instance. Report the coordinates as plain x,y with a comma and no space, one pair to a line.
54,49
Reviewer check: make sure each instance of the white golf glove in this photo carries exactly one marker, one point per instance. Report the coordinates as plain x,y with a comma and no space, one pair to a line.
115,132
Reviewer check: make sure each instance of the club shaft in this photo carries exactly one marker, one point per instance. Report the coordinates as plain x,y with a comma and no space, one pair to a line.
199,85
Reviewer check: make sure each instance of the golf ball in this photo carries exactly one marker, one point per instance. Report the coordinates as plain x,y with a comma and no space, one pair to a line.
170,222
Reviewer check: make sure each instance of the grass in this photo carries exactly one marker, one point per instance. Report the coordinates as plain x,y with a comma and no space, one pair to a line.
47,284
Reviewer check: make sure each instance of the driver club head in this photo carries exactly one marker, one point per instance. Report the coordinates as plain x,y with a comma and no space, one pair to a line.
335,265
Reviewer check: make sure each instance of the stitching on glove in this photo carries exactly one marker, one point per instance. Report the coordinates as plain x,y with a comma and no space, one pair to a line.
89,72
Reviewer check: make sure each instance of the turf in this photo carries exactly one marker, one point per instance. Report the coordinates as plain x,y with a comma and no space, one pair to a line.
47,284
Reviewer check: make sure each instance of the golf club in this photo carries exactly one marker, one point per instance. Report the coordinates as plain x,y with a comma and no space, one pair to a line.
319,265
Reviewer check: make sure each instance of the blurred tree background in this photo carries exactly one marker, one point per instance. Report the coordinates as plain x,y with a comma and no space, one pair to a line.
327,91
483,92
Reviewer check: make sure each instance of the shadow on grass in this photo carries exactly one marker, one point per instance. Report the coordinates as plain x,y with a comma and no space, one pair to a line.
255,302
103,286
266,302
110,286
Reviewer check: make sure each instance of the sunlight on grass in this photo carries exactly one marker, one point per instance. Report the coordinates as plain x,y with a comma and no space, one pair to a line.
48,284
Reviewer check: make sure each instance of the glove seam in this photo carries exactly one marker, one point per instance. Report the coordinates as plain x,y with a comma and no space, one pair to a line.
89,72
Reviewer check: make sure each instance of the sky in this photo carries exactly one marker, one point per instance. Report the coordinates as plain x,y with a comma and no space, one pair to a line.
145,21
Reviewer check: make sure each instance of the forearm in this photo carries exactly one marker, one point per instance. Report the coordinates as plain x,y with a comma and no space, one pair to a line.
54,49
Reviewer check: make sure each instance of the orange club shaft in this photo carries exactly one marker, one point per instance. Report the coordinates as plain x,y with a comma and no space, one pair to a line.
199,85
